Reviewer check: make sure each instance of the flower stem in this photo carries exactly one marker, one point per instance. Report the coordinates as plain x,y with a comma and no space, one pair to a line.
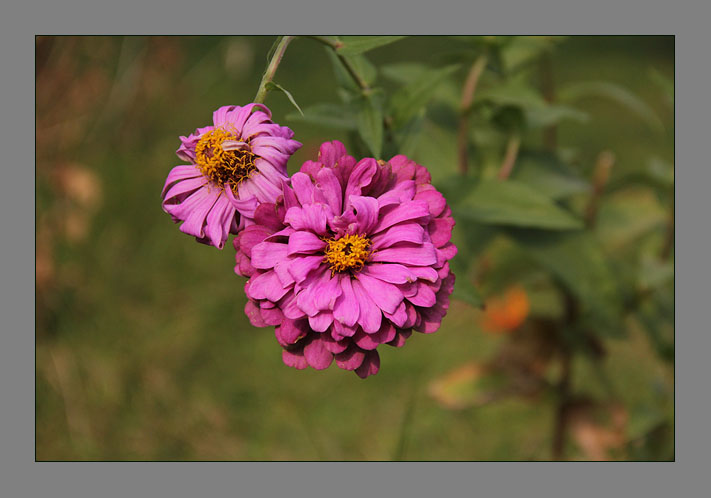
467,98
271,69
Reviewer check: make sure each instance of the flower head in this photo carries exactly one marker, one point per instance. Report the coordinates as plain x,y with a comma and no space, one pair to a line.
353,256
235,164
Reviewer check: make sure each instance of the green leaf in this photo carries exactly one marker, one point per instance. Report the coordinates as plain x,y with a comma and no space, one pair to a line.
370,124
514,93
617,94
411,99
360,64
514,203
548,175
276,86
354,45
578,262
553,114
522,50
328,115
464,289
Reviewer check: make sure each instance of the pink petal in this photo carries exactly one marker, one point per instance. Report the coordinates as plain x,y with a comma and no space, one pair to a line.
301,266
329,185
254,314
266,286
305,242
346,309
390,272
370,365
406,211
266,254
294,359
317,355
370,315
386,296
423,255
405,232
366,211
350,359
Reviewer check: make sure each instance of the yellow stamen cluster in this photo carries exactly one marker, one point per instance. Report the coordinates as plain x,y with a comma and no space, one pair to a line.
222,166
348,252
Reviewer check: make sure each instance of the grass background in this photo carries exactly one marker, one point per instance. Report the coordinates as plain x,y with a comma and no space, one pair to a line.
143,351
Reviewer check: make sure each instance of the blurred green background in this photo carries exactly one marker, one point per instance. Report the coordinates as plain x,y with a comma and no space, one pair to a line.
143,351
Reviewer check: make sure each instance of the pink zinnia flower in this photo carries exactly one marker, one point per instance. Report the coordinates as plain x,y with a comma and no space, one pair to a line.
237,163
355,255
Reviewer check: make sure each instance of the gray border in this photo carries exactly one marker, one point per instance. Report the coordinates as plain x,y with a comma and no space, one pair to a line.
21,476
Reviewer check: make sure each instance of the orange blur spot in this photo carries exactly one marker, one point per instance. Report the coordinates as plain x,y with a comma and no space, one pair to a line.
507,312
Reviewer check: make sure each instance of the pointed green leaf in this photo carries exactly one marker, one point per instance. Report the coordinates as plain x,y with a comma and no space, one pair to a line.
328,115
513,203
411,99
615,93
370,124
354,45
548,175
276,86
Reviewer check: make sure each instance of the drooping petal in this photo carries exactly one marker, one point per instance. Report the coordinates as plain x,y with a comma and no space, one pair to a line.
346,309
317,355
370,365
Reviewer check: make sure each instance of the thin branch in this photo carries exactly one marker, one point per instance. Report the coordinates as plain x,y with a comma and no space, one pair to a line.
271,69
465,105
510,156
357,78
601,174
548,89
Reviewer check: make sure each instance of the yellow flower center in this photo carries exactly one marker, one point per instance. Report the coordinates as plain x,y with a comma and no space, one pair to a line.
222,166
348,252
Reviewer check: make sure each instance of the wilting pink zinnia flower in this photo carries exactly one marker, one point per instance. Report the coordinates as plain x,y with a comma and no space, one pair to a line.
355,255
237,163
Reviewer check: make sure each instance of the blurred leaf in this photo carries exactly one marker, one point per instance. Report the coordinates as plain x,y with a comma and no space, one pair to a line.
521,50
665,84
370,124
276,86
328,115
514,203
512,93
577,260
447,91
617,94
548,175
654,273
659,330
625,217
553,114
354,45
413,97
464,288
360,64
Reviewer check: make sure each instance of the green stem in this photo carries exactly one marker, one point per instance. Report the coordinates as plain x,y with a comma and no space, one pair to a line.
335,45
467,98
271,69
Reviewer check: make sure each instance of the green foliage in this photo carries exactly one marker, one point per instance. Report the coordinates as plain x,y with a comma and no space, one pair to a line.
514,203
412,98
355,45
275,86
